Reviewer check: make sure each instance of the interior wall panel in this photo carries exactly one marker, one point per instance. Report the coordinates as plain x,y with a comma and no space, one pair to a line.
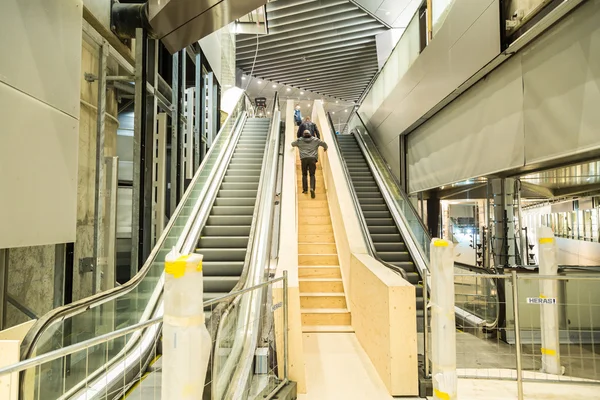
40,75
467,40
562,118
38,172
479,133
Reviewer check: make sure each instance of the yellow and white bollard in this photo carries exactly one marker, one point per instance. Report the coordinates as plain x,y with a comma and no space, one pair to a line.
186,341
443,325
548,302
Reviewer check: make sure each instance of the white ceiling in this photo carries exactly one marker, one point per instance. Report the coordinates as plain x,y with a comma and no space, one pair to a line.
395,13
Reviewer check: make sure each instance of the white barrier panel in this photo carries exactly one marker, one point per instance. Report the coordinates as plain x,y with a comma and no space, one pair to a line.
443,326
186,341
548,307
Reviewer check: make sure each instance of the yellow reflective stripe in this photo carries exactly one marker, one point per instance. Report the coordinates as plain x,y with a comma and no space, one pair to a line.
177,267
440,243
548,352
542,296
199,267
546,240
441,395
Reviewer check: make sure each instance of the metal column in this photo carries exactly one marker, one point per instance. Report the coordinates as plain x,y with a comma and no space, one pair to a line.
403,164
59,275
199,149
144,126
210,105
503,239
174,180
159,178
99,262
3,286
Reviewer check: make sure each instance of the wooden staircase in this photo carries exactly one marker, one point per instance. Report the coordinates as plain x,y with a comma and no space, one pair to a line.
322,298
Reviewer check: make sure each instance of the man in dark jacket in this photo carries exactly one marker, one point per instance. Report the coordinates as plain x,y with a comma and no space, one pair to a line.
309,154
308,125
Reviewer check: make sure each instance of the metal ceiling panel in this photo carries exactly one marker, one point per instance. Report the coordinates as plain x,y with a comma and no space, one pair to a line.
324,46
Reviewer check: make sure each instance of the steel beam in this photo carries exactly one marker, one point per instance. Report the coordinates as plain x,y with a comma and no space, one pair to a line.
174,181
100,181
3,286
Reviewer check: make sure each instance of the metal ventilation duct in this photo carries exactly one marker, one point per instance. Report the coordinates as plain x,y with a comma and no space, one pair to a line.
179,23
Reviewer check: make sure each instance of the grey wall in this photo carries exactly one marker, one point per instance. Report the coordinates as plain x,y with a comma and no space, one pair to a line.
540,105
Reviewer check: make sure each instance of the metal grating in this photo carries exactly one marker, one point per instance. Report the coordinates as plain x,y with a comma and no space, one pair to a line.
323,46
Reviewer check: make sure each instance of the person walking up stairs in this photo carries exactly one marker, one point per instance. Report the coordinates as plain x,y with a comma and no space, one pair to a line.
309,156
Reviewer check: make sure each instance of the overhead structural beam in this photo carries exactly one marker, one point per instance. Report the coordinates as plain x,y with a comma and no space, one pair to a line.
545,192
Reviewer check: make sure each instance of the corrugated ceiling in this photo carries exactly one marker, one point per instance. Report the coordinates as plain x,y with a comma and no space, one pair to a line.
323,46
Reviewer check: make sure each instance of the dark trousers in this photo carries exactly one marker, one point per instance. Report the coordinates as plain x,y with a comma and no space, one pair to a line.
309,165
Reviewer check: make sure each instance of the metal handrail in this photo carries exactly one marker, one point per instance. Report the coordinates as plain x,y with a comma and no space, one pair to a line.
238,370
65,351
154,306
361,218
418,254
397,183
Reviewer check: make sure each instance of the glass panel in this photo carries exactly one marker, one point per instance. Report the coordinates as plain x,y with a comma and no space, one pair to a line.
400,199
129,308
477,295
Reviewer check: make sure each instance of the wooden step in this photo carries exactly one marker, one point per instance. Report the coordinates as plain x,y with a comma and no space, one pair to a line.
319,271
316,238
313,219
314,229
317,248
314,203
320,211
325,316
318,259
328,329
321,285
323,300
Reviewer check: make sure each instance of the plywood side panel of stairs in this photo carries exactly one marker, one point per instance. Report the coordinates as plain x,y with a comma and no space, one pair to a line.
322,298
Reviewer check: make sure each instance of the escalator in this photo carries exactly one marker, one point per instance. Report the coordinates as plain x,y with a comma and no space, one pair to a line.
224,238
389,245
228,199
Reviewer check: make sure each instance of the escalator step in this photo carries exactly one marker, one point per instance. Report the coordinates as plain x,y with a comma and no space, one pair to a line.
235,201
230,220
377,214
236,193
385,238
223,254
383,229
220,283
222,241
394,256
230,230
371,200
380,222
232,210
390,247
374,207
222,268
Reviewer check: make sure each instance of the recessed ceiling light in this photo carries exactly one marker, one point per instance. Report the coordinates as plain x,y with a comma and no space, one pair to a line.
259,82
243,78
388,13
337,101
333,112
302,93
289,89
345,110
274,86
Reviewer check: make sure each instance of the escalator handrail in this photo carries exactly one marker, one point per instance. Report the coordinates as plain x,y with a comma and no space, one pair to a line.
72,309
418,254
361,218
83,305
154,308
397,183
259,262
